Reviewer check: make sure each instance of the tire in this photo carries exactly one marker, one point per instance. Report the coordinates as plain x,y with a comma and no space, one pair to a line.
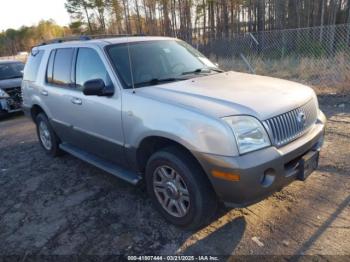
51,144
3,114
198,205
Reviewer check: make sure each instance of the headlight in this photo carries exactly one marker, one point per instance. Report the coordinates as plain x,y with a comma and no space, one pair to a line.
250,134
3,94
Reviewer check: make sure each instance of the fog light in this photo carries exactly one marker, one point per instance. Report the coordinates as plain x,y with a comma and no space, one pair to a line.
226,176
268,177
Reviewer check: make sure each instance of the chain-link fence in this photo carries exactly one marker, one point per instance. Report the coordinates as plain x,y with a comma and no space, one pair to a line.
319,56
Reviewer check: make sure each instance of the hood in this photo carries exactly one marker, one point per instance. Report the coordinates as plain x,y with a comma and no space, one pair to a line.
234,93
9,83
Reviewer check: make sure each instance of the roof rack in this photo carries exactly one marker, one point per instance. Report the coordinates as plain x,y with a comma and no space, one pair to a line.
65,39
85,38
113,35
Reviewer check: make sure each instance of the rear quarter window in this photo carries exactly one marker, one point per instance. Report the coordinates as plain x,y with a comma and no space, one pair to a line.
49,71
32,67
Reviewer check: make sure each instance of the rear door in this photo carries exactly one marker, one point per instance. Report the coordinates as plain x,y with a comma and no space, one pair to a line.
96,120
58,88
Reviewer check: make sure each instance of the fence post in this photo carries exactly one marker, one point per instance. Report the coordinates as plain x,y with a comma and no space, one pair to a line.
283,44
251,69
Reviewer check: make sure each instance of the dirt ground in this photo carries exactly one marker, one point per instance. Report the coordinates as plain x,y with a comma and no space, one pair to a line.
65,206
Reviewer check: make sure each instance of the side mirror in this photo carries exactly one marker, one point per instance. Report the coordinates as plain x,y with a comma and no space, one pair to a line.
96,87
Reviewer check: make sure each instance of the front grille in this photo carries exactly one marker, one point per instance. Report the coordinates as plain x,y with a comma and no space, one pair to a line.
293,124
15,100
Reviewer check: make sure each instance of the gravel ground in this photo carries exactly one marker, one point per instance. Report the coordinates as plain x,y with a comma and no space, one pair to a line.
65,206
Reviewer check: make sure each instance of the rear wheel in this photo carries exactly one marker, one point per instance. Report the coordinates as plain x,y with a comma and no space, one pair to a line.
179,188
47,137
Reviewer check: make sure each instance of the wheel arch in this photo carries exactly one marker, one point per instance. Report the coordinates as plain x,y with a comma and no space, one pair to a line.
151,144
36,110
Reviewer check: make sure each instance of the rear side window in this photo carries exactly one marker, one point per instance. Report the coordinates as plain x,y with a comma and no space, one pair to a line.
60,65
32,67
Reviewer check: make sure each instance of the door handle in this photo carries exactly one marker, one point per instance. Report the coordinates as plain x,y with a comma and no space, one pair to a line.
44,93
76,101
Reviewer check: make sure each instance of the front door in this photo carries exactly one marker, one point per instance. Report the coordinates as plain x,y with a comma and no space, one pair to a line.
96,120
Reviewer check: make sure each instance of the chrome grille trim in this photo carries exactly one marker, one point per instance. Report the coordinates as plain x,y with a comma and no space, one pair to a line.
286,127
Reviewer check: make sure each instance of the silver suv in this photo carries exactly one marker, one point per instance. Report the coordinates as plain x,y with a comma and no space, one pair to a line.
155,109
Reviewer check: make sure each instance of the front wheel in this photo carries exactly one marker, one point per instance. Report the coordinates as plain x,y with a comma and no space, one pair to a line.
179,188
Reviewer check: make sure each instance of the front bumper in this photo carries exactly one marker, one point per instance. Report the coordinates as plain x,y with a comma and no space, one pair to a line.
12,103
277,162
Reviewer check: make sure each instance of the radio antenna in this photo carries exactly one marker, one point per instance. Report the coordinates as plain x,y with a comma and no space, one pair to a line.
130,65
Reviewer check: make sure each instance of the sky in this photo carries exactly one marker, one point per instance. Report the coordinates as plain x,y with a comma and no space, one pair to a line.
15,13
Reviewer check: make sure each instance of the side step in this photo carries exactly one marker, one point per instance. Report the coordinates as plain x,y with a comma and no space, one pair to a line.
107,166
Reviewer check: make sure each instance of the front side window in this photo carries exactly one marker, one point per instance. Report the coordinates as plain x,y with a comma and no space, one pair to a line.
32,67
62,66
11,70
89,66
153,62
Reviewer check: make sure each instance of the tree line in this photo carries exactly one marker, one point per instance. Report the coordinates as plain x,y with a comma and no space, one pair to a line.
215,17
13,41
187,19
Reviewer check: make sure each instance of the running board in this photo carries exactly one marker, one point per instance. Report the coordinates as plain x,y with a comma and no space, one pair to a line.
107,166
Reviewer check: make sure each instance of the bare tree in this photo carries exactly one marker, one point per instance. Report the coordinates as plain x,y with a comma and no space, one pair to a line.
127,16
78,7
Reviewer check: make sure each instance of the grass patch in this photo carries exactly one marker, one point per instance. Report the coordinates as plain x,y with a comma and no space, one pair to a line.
325,74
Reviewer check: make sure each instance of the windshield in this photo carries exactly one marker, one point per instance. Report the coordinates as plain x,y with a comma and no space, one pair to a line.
155,62
11,70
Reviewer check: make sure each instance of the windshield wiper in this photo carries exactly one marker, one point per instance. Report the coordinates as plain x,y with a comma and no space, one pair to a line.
217,70
157,81
197,71
203,70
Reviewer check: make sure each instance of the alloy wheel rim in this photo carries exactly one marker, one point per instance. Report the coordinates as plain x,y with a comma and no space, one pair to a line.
45,136
171,191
